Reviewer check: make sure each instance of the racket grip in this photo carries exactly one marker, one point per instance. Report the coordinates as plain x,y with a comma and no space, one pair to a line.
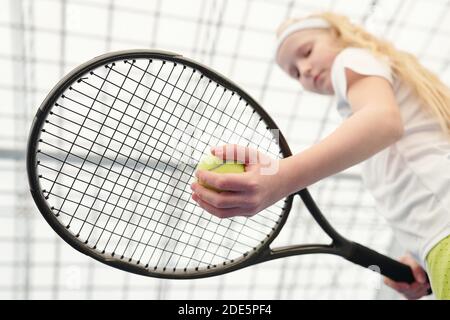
375,261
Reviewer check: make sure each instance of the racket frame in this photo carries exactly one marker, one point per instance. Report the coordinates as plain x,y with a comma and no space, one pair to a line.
115,261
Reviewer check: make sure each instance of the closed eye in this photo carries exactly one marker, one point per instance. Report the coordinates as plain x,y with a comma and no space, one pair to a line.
308,52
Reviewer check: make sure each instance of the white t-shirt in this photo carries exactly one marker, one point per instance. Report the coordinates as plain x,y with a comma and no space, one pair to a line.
410,179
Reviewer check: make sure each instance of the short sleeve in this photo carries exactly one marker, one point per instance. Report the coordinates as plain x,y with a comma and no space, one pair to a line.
361,61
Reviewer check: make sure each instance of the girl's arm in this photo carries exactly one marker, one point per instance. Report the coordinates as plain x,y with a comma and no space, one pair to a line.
375,124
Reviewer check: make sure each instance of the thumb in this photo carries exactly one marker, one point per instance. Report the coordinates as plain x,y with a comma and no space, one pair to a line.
419,274
234,152
417,270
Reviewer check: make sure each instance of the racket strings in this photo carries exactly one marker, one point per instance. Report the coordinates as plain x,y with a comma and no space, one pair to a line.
133,169
216,124
141,243
116,182
173,167
139,226
77,174
106,125
151,158
85,221
187,237
174,128
266,218
165,226
187,123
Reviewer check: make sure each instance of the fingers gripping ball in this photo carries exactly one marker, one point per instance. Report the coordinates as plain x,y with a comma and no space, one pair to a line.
217,165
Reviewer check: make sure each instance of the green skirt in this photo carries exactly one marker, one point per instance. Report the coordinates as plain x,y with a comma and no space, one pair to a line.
438,263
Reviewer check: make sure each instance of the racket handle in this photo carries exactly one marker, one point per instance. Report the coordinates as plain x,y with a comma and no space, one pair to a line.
375,261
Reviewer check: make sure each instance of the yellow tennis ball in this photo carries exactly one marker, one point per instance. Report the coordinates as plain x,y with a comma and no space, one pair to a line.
217,165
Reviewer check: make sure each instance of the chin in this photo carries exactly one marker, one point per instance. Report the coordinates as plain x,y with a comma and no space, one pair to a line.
324,92
328,90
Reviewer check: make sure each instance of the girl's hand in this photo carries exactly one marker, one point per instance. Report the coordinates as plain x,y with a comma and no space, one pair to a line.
415,290
244,194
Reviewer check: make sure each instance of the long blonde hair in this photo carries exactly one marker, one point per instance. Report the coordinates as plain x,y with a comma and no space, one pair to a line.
434,94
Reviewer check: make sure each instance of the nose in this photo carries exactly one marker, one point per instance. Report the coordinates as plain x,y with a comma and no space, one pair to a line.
304,67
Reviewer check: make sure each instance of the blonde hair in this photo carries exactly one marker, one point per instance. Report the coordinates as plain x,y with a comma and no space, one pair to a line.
434,94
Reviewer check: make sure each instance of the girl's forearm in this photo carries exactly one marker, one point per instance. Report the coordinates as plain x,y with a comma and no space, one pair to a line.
365,133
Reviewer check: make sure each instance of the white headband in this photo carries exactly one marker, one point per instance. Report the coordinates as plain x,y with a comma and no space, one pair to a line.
309,23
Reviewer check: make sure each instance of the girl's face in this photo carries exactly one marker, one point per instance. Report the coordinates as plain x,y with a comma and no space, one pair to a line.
307,56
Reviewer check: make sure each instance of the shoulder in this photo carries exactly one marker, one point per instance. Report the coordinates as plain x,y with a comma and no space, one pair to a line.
352,61
358,68
356,56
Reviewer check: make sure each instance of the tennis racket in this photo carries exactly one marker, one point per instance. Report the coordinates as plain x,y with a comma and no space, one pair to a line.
112,153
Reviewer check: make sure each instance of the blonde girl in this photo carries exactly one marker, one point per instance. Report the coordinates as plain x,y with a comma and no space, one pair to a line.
396,120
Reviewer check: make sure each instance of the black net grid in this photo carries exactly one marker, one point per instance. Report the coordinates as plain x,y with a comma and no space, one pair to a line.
118,153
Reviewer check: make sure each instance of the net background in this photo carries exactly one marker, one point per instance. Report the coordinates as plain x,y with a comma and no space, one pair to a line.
43,40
